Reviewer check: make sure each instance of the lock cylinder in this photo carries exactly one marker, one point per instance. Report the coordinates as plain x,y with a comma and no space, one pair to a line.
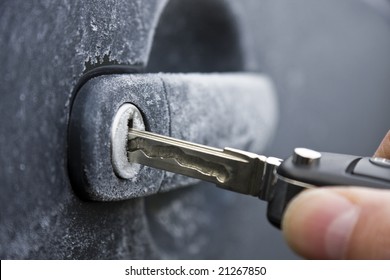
128,116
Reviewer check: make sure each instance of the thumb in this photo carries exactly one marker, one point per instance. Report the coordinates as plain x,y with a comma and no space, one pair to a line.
339,223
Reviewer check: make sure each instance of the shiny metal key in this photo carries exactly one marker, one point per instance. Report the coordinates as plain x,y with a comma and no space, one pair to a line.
268,178
231,169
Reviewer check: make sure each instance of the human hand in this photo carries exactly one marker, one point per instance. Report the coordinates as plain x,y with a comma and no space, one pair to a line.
341,222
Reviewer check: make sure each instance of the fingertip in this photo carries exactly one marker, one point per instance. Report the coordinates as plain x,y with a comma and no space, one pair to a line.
318,224
384,148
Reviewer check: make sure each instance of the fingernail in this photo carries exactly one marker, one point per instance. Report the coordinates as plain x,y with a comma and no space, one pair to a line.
340,228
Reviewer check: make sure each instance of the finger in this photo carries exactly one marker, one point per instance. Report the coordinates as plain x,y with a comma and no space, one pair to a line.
384,148
339,223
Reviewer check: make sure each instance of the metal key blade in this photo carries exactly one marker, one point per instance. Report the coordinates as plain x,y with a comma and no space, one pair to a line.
231,169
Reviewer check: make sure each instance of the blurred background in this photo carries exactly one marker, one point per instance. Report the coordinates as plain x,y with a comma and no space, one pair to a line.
329,63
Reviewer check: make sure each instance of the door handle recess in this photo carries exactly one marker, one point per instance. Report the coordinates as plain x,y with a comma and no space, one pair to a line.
235,110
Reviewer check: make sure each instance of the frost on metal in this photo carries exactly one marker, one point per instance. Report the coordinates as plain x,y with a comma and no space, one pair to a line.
46,46
219,110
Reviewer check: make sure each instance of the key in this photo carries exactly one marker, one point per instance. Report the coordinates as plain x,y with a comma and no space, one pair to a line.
268,178
228,168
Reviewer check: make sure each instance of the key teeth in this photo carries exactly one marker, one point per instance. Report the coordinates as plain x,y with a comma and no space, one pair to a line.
175,156
231,169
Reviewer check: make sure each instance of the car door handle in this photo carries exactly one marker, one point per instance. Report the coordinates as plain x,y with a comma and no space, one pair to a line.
230,109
